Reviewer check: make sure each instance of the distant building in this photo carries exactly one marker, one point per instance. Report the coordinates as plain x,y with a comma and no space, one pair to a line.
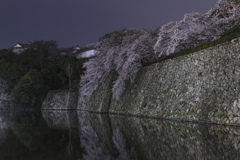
79,52
20,47
76,51
86,53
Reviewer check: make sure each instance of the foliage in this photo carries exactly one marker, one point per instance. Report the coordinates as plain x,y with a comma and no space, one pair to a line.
79,70
42,58
10,71
124,52
30,91
69,65
72,68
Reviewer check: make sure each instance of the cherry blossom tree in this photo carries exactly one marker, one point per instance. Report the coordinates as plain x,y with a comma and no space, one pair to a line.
197,28
125,52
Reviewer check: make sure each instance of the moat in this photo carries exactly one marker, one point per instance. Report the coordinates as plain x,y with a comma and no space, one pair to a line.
75,135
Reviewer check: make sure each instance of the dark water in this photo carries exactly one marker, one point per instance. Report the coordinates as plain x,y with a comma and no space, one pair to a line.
75,135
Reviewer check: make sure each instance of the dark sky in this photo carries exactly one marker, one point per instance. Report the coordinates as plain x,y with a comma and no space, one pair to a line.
72,22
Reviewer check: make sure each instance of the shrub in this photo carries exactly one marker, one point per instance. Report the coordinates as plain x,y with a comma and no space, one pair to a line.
30,91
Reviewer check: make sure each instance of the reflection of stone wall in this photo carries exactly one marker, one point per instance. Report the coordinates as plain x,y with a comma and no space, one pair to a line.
100,141
120,138
202,86
154,139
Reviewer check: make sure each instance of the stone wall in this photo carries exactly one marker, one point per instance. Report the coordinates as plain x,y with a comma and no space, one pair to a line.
202,86
61,100
100,100
60,119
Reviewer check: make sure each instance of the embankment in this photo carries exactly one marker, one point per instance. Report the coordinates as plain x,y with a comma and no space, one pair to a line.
203,86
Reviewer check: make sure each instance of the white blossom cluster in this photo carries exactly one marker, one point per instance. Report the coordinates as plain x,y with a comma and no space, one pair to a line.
125,52
122,52
197,28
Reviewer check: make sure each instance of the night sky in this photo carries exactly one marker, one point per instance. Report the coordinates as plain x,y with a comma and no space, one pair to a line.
72,22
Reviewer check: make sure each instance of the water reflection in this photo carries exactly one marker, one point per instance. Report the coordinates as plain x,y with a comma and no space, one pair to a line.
100,140
29,137
76,135
3,127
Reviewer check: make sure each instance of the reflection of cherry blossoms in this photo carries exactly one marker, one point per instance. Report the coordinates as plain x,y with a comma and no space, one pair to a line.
93,147
125,52
120,143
